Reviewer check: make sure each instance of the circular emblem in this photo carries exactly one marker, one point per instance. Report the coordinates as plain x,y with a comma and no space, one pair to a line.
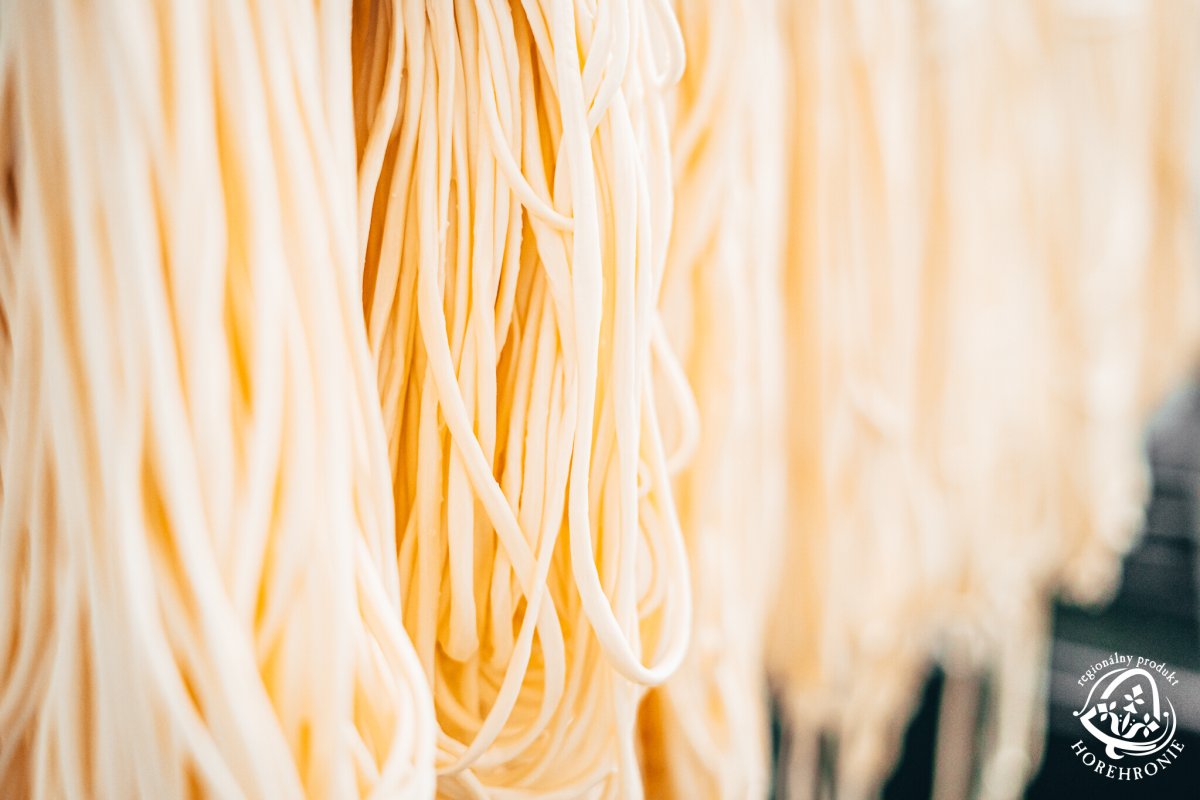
1125,712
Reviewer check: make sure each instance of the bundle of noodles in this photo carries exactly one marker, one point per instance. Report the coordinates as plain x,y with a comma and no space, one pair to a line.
849,615
513,265
196,547
1103,125
1070,306
1130,116
704,733
1000,426
989,338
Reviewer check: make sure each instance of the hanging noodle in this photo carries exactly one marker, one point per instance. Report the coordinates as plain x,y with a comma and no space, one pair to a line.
512,273
993,250
196,547
704,733
259,259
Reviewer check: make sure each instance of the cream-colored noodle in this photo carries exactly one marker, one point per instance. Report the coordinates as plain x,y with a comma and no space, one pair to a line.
991,218
196,546
259,259
704,733
1117,238
510,291
859,202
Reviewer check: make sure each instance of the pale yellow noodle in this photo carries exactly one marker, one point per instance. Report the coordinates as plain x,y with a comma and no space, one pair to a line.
196,540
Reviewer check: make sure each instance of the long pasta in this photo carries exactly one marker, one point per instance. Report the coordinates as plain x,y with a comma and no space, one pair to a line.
704,733
196,550
991,219
403,398
512,271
